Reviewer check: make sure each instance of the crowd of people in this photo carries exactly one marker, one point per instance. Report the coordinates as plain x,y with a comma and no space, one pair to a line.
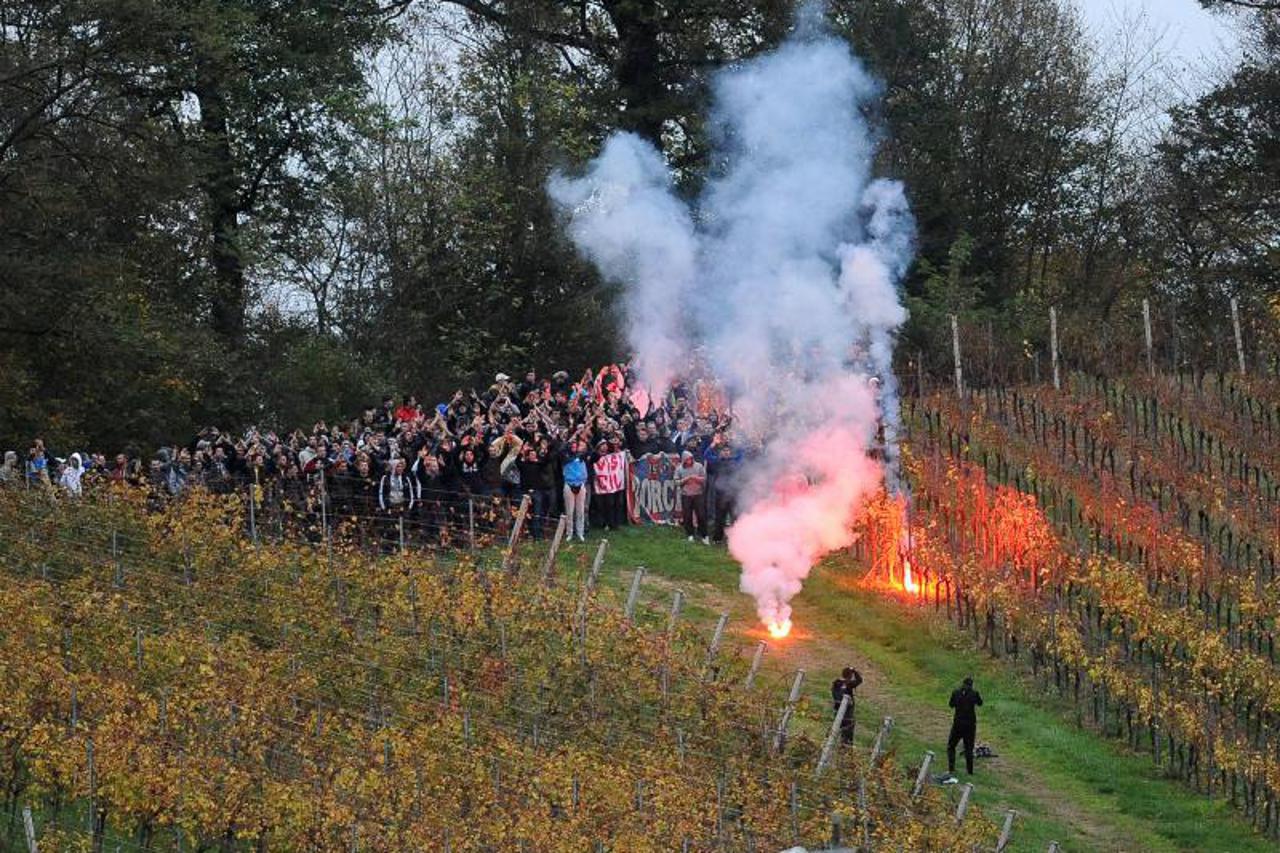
562,442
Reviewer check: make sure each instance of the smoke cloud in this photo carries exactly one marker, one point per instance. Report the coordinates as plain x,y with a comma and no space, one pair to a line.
783,276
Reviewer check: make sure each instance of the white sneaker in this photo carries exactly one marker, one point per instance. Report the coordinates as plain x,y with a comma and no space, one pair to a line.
690,538
706,540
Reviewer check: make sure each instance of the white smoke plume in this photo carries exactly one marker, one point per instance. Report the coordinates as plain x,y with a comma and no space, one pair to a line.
785,277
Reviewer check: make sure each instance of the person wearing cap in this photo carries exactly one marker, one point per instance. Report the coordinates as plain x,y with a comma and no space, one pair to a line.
844,686
964,725
691,478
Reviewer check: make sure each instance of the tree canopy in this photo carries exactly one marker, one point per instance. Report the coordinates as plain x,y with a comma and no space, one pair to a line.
252,211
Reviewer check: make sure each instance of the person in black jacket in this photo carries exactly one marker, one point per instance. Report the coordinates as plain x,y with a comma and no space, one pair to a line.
844,686
964,725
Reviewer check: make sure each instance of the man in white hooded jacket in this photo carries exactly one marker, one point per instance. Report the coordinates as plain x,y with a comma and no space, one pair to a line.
72,473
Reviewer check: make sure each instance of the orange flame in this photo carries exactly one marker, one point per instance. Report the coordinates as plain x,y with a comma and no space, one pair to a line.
778,630
908,583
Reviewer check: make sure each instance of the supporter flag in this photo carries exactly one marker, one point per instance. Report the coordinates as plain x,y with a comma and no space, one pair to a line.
611,473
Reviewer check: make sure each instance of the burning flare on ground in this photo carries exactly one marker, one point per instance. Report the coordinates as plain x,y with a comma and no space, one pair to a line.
779,630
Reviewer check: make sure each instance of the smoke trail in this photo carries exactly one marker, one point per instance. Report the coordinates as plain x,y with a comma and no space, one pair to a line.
794,268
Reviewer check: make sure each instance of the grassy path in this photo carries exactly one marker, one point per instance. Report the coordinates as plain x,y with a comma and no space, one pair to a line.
1067,784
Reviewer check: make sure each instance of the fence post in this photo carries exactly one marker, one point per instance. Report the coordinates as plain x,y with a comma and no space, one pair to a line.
115,557
755,663
1053,341
634,595
1235,323
93,782
877,748
715,644
1006,831
471,521
1146,329
963,808
825,757
253,518
516,528
580,620
549,567
955,352
923,774
29,828
324,505
400,532
677,601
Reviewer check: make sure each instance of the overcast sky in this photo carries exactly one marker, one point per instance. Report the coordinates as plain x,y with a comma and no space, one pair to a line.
1194,39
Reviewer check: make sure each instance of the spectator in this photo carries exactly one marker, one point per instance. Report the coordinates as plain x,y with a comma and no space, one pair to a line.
538,482
844,686
964,724
396,498
10,473
37,465
722,461
691,478
72,473
575,469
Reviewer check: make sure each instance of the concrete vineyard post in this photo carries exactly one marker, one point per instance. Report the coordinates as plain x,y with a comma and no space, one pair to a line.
923,774
677,602
29,830
516,528
1235,324
1006,831
471,522
755,663
877,748
549,567
780,736
825,757
634,595
714,647
955,354
1053,342
1146,330
963,808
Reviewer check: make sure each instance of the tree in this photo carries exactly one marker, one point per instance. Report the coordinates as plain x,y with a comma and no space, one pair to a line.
1218,195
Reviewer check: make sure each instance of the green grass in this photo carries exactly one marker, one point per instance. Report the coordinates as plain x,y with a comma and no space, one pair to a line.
1067,784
